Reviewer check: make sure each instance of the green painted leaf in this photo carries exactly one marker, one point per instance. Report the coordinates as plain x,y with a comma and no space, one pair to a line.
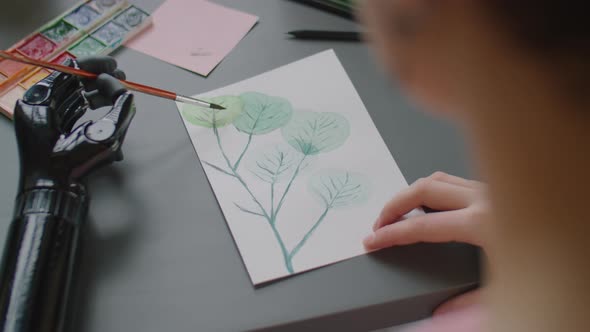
262,113
275,164
206,117
314,132
338,188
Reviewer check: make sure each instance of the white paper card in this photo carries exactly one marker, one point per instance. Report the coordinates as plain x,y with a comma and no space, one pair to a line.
297,165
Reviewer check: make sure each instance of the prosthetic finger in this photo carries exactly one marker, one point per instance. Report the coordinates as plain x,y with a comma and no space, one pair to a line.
54,87
87,84
70,111
119,74
96,143
97,100
99,65
113,126
108,89
59,96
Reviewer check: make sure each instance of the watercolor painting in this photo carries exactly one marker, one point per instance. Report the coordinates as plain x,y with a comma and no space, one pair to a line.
300,172
307,133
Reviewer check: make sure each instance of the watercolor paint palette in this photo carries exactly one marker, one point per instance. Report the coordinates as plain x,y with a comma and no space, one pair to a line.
92,27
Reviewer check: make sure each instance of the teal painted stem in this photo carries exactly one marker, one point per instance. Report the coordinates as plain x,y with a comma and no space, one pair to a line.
272,224
308,234
272,201
284,251
216,132
313,228
217,168
295,174
237,164
236,175
252,195
270,219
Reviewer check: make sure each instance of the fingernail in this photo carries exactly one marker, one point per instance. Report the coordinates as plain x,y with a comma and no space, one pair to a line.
369,240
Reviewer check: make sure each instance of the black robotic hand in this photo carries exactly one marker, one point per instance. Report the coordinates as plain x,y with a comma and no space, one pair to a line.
51,205
52,152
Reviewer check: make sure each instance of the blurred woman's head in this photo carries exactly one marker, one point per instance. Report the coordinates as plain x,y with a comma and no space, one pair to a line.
514,75
452,56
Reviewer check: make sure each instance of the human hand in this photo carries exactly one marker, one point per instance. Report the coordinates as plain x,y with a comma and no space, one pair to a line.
462,210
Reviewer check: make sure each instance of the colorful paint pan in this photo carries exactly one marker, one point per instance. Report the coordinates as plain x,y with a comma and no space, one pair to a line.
83,17
131,18
87,47
9,68
8,100
87,29
102,5
38,47
33,78
60,32
61,58
111,33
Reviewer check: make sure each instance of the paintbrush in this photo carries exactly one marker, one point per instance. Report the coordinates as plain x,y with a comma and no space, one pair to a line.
127,84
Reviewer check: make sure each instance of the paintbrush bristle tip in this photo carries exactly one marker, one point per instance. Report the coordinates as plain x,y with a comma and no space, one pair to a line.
217,107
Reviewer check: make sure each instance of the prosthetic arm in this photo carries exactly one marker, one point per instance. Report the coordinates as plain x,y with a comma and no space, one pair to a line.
52,201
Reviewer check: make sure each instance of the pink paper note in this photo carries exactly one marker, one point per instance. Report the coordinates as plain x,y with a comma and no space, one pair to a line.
193,34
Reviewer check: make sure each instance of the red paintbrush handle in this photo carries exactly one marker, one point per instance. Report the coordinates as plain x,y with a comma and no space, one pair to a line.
48,65
82,73
129,85
149,90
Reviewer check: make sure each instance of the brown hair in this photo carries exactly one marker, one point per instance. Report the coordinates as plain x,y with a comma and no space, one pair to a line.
558,31
554,26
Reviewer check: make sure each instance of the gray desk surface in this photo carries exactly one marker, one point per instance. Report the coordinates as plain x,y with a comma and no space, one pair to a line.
157,254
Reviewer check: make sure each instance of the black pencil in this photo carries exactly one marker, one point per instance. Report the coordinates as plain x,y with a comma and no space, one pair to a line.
326,35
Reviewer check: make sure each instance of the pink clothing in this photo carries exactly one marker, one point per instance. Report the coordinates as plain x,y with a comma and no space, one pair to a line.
470,319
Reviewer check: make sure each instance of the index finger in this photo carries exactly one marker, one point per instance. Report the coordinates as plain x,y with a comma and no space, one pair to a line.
426,192
452,179
436,227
